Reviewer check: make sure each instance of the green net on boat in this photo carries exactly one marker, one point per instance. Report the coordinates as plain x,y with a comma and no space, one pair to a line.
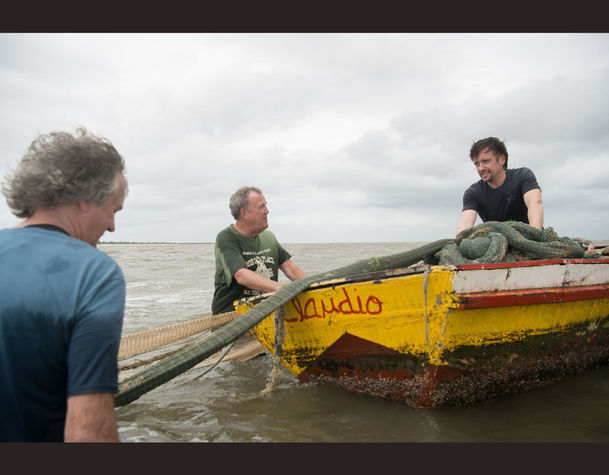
508,241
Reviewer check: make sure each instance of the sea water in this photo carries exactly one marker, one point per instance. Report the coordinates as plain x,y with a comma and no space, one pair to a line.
170,283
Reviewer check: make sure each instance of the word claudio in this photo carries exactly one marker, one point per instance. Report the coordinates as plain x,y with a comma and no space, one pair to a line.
321,308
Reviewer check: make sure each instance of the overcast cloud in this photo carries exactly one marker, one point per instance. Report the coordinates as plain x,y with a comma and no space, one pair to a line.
351,137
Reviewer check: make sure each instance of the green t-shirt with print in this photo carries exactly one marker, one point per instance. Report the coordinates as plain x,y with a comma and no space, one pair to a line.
233,251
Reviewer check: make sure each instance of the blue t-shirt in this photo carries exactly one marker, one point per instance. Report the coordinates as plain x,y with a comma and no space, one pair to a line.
61,312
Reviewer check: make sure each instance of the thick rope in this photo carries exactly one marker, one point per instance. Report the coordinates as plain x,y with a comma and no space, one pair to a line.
277,366
139,384
146,362
224,353
510,241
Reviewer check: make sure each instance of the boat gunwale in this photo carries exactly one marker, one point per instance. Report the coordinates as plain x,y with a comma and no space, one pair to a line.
422,268
531,263
548,295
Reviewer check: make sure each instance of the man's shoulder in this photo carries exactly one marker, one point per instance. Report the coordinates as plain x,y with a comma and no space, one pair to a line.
227,231
475,187
522,175
524,179
520,172
71,254
229,239
48,241
95,261
267,237
267,233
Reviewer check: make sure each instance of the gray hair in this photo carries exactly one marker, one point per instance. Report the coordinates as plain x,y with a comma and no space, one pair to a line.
240,199
60,168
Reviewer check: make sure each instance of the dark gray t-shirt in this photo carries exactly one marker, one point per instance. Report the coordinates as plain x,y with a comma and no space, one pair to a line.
504,203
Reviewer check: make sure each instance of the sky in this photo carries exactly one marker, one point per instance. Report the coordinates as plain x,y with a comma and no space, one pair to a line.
351,137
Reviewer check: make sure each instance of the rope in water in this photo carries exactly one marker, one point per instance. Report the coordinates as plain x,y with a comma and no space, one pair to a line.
279,337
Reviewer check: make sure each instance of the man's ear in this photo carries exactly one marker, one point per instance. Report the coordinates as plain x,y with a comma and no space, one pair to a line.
82,205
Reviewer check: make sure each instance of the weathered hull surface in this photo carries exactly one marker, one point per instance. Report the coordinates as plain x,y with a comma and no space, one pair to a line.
444,336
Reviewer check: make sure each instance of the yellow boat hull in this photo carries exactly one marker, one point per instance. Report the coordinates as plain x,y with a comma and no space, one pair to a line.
446,336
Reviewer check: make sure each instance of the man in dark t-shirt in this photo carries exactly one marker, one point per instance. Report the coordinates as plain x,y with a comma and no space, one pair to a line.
501,194
247,254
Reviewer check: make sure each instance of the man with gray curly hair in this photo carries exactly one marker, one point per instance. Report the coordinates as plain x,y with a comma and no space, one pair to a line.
62,300
248,255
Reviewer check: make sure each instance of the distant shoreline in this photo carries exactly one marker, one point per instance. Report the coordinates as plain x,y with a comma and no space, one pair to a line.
150,242
595,242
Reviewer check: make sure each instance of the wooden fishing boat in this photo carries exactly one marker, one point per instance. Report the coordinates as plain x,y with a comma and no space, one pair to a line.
444,336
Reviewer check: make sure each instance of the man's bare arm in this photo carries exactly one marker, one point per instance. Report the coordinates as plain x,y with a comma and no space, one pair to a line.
251,280
91,418
291,270
254,281
534,204
468,218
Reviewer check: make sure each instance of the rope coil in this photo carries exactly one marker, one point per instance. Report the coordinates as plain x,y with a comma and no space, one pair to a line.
509,241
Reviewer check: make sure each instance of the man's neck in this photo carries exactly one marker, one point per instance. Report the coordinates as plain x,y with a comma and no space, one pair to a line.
61,216
498,181
244,230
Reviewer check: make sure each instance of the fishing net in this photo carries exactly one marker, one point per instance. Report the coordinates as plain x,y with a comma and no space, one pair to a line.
509,241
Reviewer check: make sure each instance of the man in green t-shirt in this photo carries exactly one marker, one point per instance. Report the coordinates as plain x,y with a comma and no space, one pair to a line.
248,255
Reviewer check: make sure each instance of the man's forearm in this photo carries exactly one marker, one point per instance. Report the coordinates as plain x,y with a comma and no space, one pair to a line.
534,203
251,280
468,218
292,270
91,418
535,215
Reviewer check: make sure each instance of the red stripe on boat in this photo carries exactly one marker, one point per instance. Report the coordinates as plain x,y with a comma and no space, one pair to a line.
531,296
506,265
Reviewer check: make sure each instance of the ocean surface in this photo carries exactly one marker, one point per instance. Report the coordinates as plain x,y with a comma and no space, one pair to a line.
170,283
